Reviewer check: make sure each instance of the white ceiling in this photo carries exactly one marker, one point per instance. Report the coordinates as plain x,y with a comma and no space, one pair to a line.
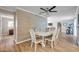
63,11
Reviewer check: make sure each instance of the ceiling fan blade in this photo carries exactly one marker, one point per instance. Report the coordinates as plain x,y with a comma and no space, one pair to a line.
52,8
53,11
43,9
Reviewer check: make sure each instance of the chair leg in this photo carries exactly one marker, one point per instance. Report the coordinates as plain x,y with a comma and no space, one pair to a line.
42,44
52,44
55,43
31,44
45,42
35,47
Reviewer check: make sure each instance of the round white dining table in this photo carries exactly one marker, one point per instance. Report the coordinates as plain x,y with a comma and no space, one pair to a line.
44,34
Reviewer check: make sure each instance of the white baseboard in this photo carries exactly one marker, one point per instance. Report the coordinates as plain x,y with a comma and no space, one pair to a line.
23,41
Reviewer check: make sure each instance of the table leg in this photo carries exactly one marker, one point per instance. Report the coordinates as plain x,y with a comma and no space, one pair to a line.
43,39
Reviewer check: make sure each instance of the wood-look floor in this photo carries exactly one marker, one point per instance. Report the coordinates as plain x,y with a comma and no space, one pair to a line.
63,45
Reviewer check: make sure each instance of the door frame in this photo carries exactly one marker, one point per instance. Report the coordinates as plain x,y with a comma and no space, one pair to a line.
2,24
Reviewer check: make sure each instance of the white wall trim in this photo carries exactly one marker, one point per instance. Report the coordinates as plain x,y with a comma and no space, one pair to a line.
30,12
23,41
16,28
76,22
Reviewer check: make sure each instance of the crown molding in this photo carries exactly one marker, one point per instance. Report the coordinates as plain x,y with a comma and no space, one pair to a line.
5,9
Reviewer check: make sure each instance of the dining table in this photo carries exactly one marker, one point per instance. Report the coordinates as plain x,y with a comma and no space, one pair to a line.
43,34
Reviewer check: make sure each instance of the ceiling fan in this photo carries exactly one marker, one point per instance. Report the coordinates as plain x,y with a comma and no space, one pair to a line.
47,10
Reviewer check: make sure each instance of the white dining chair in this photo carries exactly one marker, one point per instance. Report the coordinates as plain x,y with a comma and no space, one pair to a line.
55,35
34,40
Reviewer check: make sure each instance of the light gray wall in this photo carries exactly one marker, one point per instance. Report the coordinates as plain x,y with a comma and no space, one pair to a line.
26,21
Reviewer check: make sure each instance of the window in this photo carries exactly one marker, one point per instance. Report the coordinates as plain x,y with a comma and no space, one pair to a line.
10,24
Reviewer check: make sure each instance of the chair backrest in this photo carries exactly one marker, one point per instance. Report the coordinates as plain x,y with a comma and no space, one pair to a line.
32,34
55,34
58,32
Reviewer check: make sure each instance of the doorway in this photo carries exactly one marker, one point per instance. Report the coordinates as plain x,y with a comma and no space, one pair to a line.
7,27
